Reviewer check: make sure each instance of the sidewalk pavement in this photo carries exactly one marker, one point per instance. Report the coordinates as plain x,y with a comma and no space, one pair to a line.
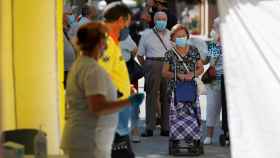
157,147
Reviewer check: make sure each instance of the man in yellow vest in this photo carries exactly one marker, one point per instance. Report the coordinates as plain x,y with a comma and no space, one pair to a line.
117,19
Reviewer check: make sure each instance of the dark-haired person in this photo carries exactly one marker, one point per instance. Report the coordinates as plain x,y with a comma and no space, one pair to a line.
117,19
88,13
92,99
215,95
129,51
154,6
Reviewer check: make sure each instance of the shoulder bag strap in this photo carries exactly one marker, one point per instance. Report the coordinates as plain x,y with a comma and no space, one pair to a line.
72,45
180,58
160,39
66,35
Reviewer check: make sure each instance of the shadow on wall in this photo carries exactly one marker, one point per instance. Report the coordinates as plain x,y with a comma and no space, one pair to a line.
237,6
227,5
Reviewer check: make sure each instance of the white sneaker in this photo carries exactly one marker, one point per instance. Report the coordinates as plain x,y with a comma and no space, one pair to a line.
207,141
135,139
135,135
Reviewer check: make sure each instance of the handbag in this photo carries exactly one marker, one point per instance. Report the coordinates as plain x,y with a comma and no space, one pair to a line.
185,91
135,70
210,74
201,89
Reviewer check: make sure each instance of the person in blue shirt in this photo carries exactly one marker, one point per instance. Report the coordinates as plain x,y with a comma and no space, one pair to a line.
214,91
129,50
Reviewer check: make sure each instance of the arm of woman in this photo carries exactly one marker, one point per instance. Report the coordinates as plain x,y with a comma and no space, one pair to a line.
205,61
199,68
94,82
166,73
100,106
141,59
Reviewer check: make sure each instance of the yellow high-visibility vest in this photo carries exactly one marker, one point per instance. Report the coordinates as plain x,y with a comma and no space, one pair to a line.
115,65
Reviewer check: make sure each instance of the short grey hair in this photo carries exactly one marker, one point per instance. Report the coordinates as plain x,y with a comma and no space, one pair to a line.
159,13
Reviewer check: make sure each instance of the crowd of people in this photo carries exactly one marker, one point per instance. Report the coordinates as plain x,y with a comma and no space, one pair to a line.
102,72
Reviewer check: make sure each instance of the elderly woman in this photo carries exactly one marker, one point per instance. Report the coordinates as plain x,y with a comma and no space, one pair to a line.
185,60
215,90
92,99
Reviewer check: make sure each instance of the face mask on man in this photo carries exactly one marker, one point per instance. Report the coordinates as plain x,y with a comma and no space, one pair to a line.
160,24
124,34
83,21
182,42
71,20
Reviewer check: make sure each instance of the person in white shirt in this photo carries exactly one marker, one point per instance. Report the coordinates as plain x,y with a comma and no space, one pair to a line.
92,99
214,89
129,48
153,45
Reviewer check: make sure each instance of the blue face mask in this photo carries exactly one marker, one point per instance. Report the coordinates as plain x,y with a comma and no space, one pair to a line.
124,34
83,21
182,42
160,24
71,19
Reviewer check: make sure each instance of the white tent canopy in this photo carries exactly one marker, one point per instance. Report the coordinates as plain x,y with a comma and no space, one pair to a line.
251,38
